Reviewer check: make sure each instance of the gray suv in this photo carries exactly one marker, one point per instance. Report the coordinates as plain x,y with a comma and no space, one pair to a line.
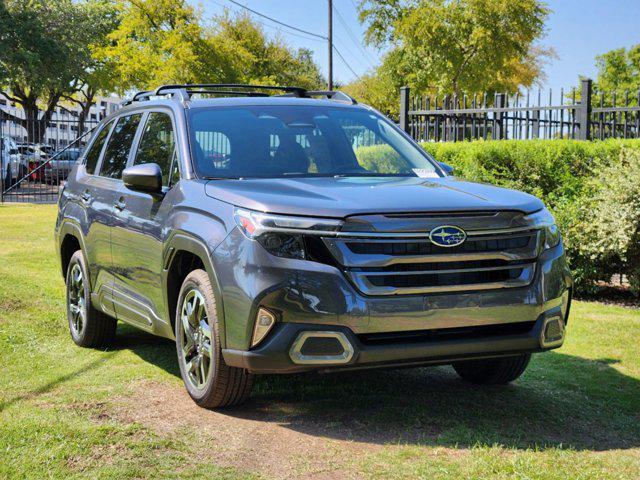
279,230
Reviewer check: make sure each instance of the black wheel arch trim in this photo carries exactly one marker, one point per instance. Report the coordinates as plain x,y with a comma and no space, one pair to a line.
70,227
182,241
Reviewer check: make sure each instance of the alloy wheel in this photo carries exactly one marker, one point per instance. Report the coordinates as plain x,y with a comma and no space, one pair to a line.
77,300
195,341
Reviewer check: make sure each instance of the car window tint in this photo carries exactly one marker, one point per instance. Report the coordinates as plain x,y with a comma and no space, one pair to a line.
93,154
117,152
157,144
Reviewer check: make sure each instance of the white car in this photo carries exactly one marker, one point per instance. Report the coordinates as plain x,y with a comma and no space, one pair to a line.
11,167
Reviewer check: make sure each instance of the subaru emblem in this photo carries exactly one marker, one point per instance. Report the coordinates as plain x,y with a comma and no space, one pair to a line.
447,236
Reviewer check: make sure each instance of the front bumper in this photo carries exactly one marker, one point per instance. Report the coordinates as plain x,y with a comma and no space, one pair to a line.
313,296
273,356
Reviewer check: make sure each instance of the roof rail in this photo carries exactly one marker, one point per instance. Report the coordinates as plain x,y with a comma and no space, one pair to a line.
183,92
336,95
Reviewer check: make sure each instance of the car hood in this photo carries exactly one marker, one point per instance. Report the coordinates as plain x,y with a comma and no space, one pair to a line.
341,197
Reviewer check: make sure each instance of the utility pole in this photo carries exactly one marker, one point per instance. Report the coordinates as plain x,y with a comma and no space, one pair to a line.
330,40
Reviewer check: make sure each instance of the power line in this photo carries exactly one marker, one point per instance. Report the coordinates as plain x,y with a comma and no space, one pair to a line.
345,62
353,38
277,21
277,29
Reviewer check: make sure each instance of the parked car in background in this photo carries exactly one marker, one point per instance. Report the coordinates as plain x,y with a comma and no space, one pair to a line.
11,169
33,155
289,247
57,169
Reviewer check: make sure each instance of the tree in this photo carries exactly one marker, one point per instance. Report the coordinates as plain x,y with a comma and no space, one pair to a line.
455,46
165,41
156,42
43,51
253,57
98,75
619,70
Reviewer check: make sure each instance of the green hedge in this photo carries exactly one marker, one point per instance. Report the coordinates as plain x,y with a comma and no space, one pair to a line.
593,189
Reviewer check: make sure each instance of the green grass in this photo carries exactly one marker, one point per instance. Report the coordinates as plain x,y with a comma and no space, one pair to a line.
574,414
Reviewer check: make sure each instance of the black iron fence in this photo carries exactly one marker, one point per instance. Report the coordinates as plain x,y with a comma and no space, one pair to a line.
578,114
36,156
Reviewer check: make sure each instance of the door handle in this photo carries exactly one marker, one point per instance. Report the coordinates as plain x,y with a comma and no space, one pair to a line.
120,204
86,196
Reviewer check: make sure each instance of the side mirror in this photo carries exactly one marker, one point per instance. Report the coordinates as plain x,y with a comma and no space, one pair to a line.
448,169
146,177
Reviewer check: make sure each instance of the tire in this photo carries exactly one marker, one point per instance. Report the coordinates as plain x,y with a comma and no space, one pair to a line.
88,327
211,383
494,371
7,178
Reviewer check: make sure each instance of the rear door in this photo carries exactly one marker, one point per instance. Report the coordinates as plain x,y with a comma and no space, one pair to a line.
137,235
94,196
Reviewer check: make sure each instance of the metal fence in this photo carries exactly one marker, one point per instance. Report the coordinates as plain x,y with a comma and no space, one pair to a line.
578,114
36,156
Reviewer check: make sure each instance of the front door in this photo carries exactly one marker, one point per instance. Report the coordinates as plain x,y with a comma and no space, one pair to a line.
137,234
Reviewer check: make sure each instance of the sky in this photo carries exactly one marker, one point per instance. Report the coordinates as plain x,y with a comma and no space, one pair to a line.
578,30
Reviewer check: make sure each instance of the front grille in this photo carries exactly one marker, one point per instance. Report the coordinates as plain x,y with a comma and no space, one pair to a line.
405,265
425,247
443,279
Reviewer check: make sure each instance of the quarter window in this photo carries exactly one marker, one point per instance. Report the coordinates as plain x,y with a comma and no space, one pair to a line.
115,157
93,154
158,144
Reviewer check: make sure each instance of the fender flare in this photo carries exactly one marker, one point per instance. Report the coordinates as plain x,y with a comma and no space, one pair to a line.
69,227
182,241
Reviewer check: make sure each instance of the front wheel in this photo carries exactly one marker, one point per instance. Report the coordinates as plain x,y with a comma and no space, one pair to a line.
493,371
211,383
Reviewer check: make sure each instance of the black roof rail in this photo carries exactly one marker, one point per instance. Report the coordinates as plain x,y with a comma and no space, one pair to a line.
184,91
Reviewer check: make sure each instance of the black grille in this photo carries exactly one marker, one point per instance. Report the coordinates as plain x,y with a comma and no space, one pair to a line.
425,247
468,264
445,334
322,346
443,279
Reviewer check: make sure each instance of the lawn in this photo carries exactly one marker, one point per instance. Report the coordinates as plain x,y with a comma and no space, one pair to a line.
122,413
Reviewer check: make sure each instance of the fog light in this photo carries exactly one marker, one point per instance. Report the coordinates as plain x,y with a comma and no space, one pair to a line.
265,320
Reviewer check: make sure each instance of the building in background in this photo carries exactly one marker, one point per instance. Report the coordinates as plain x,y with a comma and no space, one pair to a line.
64,125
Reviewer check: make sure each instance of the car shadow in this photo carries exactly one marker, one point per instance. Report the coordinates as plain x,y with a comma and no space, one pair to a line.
562,401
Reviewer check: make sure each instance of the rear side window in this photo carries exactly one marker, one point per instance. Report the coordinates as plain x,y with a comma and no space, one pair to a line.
93,154
115,157
157,144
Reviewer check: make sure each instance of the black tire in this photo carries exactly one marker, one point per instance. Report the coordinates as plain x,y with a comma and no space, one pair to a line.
98,329
7,178
224,386
493,371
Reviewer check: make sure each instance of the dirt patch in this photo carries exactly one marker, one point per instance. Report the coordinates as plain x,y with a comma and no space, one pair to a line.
260,442
11,304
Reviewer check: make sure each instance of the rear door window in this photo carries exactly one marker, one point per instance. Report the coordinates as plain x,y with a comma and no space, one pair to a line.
117,152
93,154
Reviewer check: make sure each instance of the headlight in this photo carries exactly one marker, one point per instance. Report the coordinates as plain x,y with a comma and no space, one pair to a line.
281,235
543,220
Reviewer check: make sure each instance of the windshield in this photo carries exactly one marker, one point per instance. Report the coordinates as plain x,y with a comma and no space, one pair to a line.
288,141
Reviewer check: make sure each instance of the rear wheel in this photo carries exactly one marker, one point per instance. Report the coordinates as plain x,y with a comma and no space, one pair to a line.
211,383
89,327
493,371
